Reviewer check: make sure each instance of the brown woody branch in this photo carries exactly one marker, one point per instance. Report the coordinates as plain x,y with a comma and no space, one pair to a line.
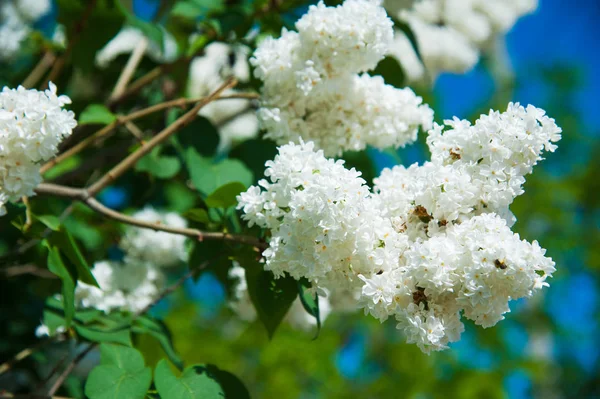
83,196
122,120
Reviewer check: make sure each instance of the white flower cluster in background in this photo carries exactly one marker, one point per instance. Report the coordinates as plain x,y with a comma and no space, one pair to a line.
297,317
128,286
158,247
451,34
16,17
313,90
235,118
32,125
128,39
134,283
429,244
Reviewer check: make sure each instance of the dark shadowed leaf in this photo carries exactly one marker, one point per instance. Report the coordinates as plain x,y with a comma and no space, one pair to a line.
225,196
271,297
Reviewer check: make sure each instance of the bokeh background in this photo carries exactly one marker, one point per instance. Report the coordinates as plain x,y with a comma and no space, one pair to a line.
548,346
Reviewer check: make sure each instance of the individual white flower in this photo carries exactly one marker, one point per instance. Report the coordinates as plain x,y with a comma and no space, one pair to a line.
313,91
44,331
235,118
157,247
32,125
128,39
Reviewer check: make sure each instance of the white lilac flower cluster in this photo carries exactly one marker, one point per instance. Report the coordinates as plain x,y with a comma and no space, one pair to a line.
134,283
297,317
314,90
16,17
429,244
235,118
32,125
451,34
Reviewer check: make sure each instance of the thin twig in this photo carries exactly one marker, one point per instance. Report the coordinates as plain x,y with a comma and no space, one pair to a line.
62,59
127,73
121,120
135,131
39,70
180,123
92,203
63,376
140,83
54,370
19,270
4,367
28,220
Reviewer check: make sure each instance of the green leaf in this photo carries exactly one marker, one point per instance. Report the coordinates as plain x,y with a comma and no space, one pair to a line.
196,9
120,375
54,315
231,385
254,153
207,176
310,302
50,221
152,31
159,166
271,297
200,135
225,196
197,215
158,330
90,34
96,114
194,383
122,336
57,266
361,161
391,71
66,243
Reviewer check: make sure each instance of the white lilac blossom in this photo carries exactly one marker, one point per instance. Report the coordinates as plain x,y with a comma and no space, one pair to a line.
314,91
235,118
13,30
498,151
297,317
32,125
32,10
323,224
16,18
128,286
128,39
451,34
430,243
160,248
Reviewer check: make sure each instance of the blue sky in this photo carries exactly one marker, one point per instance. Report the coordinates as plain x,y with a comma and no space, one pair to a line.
558,32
